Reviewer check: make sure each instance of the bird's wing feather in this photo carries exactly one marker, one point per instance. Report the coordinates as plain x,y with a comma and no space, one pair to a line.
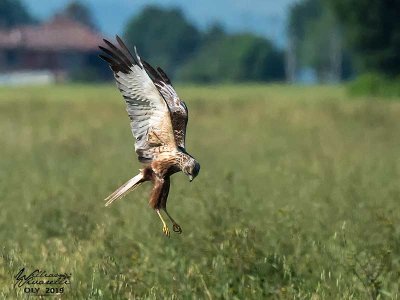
178,108
149,113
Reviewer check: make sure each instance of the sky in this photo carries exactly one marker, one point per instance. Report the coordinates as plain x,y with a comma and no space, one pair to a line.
263,17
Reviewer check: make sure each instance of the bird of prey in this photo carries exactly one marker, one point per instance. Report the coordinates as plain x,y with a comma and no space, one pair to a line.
158,123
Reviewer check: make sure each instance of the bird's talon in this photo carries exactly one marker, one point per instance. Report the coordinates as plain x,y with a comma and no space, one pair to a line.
166,230
176,228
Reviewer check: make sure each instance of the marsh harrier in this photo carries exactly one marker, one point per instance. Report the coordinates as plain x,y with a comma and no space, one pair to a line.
158,123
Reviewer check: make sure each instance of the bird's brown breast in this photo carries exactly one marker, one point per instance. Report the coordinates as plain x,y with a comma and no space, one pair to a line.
165,164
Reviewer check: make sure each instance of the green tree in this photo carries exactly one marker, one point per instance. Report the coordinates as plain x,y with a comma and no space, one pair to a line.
300,14
373,30
242,57
164,36
316,40
214,32
12,13
80,13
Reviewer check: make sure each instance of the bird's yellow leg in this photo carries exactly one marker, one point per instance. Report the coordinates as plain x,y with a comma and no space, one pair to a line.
175,226
165,227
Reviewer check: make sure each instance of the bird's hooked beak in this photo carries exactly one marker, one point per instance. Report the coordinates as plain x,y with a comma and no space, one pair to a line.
190,178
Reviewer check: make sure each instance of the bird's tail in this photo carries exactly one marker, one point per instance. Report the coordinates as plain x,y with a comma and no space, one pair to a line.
130,185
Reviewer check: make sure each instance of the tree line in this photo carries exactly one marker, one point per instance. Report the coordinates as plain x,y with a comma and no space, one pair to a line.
165,37
343,38
337,39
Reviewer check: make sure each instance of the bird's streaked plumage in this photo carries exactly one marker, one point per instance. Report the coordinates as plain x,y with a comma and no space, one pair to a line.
158,123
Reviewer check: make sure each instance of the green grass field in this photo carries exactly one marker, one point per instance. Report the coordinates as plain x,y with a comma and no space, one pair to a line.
297,198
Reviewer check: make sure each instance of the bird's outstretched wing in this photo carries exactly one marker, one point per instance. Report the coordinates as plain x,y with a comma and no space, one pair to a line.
178,108
149,113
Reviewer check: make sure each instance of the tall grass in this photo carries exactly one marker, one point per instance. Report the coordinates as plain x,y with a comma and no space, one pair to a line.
297,197
375,85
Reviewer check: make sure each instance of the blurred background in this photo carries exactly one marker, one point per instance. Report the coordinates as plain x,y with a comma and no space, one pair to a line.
294,110
294,41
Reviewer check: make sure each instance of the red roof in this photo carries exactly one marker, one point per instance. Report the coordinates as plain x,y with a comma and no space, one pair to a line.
61,33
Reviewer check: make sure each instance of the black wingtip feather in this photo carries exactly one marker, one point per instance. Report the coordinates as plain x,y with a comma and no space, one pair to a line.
151,71
163,75
158,75
119,52
126,50
116,58
121,59
114,67
112,55
106,58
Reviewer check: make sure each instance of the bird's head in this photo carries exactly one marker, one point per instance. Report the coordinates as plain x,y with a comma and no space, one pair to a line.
191,168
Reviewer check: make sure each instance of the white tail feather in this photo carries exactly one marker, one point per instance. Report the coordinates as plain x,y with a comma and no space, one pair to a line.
129,186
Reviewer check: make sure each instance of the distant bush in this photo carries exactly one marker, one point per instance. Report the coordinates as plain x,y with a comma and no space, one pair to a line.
166,38
162,36
240,57
374,84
